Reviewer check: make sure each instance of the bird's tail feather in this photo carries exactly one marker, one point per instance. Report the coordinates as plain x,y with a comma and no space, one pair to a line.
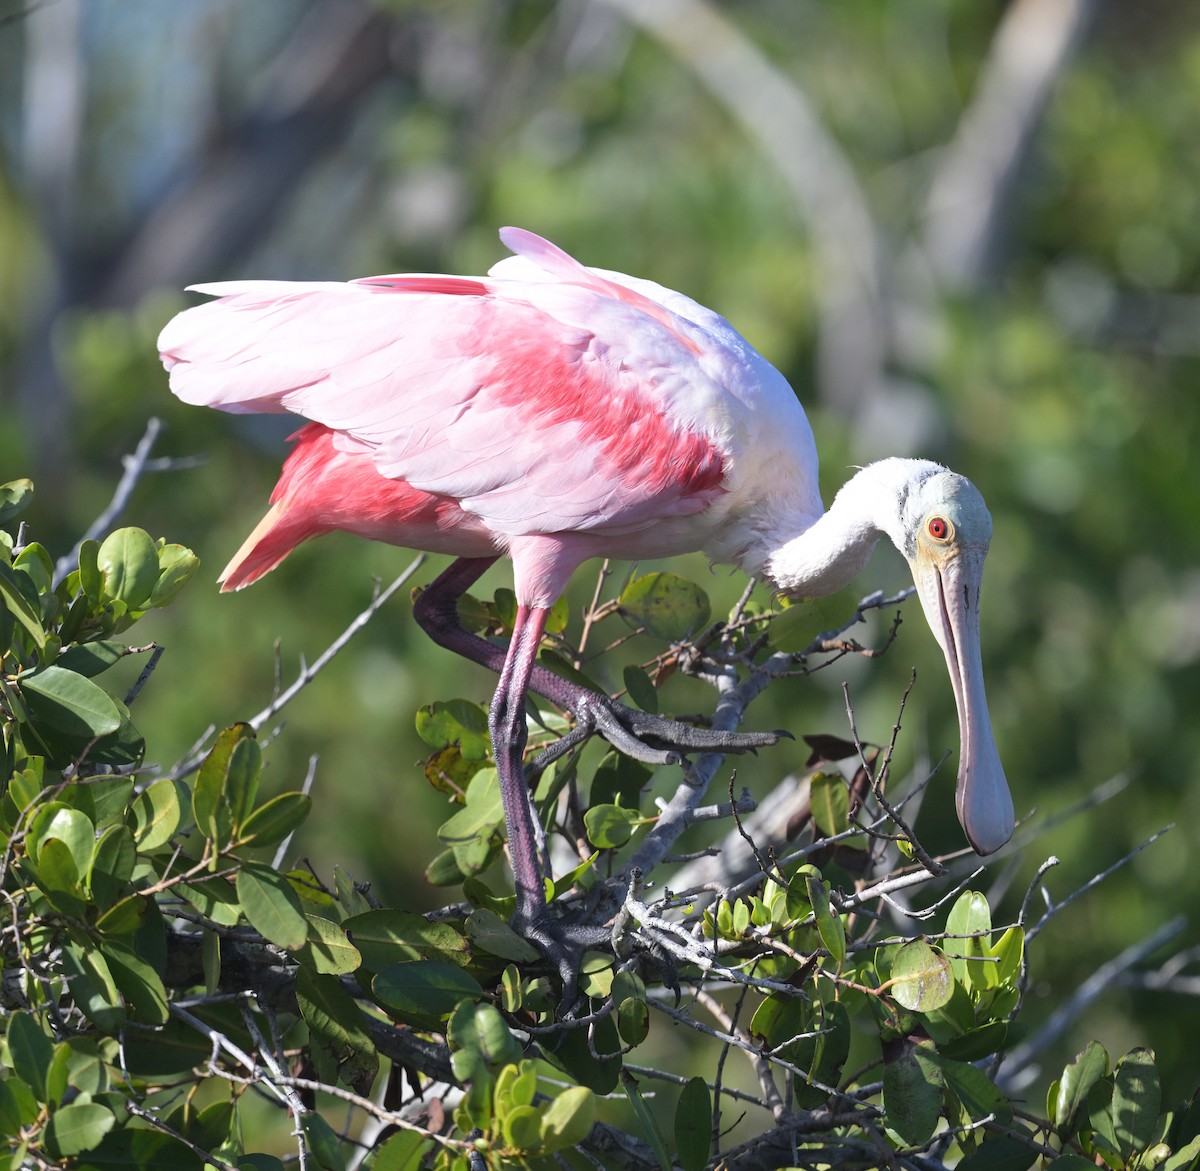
273,538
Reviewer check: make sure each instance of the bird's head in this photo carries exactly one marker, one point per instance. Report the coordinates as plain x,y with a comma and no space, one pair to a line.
945,531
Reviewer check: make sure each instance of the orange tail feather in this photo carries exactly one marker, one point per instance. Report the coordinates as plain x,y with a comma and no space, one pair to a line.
273,538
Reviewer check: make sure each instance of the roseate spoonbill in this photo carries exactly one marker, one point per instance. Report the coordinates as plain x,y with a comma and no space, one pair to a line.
552,413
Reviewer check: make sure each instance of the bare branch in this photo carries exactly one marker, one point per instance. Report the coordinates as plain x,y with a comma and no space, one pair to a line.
1106,976
135,468
308,673
971,194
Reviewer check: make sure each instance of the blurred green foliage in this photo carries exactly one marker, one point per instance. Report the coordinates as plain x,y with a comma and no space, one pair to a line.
1064,385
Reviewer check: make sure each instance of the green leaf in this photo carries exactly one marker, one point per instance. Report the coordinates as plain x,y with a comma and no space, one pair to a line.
488,931
30,1051
593,1061
610,826
829,926
619,780
779,1022
176,567
649,1125
976,1043
91,658
125,1149
1136,1100
12,593
1000,1153
68,703
211,804
404,1151
388,937
921,975
1185,1158
455,722
912,1089
967,928
323,1142
1076,1083
272,821
93,988
830,801
568,1119
668,606
79,1127
479,1033
1009,950
162,1053
342,1045
18,1106
975,1091
271,905
56,873
125,916
693,1125
481,816
242,776
641,690
556,664
328,950
156,814
138,982
112,865
522,1127
69,826
209,1128
91,580
215,898
56,1074
128,559
424,992
633,1020
15,497
37,565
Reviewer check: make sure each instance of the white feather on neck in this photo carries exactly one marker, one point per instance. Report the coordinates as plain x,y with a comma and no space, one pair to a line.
832,551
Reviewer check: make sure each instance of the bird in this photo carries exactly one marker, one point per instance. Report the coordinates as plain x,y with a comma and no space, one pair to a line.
550,413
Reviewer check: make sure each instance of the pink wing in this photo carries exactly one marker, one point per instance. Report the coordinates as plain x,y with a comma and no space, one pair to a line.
558,404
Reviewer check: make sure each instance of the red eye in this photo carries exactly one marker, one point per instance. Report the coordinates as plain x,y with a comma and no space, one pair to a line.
939,529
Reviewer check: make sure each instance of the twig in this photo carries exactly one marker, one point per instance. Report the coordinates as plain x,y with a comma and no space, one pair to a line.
306,789
158,1124
309,673
1084,996
135,466
1053,909
192,760
156,653
879,777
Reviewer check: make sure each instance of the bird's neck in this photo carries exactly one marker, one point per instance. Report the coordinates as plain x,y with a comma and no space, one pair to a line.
827,555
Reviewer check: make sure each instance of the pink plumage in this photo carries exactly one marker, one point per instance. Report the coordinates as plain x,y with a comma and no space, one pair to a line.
550,413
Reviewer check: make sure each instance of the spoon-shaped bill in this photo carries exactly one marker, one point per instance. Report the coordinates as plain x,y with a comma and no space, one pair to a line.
949,588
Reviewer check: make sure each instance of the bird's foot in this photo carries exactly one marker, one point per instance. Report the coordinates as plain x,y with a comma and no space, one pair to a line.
646,737
562,943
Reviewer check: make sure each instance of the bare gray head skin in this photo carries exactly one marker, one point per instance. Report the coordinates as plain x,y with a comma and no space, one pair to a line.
945,531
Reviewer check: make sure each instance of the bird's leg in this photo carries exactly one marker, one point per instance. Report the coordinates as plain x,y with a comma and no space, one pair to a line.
645,737
561,942
506,721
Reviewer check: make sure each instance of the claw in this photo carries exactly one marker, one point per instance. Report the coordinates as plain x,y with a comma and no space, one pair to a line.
657,740
562,942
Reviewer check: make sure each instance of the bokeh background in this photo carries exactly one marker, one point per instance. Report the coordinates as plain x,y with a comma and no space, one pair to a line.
964,229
